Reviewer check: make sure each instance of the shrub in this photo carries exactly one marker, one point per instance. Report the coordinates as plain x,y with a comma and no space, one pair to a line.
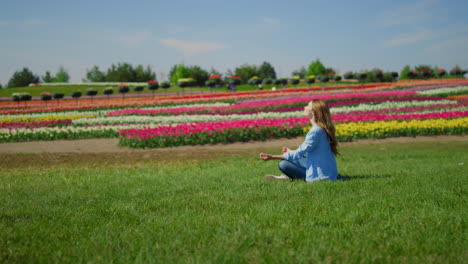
210,83
456,71
361,76
348,75
91,92
165,85
57,96
235,80
138,89
46,97
324,79
16,97
295,80
186,82
76,95
108,91
411,74
441,72
153,85
124,89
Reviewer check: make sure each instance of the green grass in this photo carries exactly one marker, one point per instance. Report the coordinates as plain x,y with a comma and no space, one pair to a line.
404,203
67,90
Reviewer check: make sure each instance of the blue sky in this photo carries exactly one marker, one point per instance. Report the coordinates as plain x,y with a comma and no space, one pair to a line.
346,35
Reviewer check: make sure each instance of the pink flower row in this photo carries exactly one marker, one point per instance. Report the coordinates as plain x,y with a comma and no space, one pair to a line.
194,128
34,124
283,123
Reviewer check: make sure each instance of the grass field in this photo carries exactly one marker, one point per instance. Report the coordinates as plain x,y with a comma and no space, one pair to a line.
67,90
405,203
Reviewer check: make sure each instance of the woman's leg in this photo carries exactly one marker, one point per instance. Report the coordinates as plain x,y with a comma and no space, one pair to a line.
292,170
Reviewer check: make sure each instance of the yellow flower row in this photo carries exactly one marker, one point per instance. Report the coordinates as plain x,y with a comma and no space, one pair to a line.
45,117
348,131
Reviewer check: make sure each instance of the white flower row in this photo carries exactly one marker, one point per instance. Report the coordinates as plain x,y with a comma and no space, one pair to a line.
388,105
181,118
136,119
104,112
446,90
6,133
100,117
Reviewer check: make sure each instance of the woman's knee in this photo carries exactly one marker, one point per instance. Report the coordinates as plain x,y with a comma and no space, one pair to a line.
283,165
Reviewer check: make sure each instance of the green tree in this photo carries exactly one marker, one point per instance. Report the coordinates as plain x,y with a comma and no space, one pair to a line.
22,78
425,71
316,68
144,75
266,71
95,75
47,78
61,76
198,74
123,72
301,72
404,72
245,72
177,72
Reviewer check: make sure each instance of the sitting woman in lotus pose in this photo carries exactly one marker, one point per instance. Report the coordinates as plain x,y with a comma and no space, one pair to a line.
315,158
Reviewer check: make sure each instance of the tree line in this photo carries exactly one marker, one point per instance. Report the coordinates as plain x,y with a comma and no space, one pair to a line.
125,72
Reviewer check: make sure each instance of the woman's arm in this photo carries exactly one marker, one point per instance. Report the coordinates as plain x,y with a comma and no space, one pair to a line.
266,157
309,143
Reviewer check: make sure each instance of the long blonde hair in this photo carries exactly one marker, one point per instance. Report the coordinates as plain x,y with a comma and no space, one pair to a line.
323,119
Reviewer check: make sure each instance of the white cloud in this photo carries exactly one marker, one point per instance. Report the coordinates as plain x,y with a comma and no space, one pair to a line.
190,48
408,14
134,40
411,38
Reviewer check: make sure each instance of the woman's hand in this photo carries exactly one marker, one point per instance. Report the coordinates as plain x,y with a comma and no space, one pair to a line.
264,156
286,150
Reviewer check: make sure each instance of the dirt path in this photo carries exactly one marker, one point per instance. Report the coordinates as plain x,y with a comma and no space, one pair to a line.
111,146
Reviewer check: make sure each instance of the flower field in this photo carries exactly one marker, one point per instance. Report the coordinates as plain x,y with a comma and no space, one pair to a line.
371,111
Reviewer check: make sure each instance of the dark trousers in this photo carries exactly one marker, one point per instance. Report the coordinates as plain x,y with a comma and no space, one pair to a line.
292,169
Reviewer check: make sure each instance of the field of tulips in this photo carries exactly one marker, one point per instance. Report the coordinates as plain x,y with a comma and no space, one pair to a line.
373,111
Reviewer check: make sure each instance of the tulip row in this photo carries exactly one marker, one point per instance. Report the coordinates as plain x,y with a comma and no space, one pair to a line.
352,131
49,117
117,103
369,111
35,124
230,131
54,133
446,91
265,106
212,132
339,117
338,97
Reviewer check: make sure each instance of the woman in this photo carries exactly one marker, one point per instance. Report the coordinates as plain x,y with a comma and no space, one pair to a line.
315,158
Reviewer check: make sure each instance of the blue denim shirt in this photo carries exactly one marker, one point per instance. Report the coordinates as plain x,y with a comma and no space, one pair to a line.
320,163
